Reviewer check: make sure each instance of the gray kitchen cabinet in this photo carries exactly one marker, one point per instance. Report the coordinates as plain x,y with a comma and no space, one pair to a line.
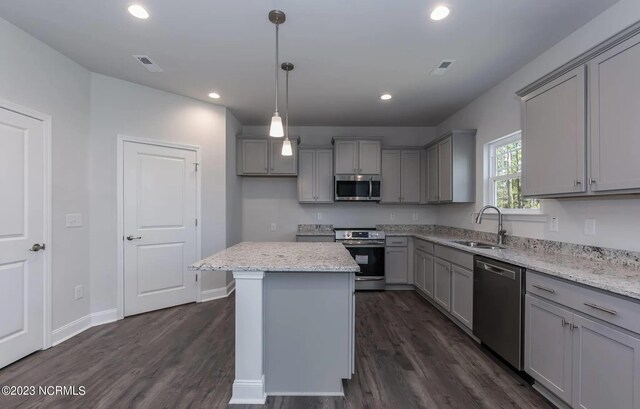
396,267
315,177
554,137
548,346
442,283
259,156
428,275
451,168
357,156
614,96
462,295
419,269
279,164
401,176
424,176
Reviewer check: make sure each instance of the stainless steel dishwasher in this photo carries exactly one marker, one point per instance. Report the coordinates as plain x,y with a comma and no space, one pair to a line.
498,290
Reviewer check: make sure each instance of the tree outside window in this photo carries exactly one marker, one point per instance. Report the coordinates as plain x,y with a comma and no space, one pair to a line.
505,190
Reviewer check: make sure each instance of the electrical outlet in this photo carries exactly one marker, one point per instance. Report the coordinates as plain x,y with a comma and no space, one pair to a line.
274,227
590,227
392,216
415,216
79,292
73,220
319,215
554,224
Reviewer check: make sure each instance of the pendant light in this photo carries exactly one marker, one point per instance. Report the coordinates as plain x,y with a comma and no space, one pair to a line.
277,17
286,145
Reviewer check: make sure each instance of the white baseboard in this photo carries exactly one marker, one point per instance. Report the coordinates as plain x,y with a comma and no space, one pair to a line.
73,328
216,293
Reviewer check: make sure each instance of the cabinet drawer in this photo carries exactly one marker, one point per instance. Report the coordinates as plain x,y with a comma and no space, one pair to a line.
607,307
454,256
396,241
423,246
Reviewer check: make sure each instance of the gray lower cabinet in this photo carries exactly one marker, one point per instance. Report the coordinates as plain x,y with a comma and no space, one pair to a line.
258,156
401,176
462,295
396,266
451,168
442,283
584,361
315,176
419,269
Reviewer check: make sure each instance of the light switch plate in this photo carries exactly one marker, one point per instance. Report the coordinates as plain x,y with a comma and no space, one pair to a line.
73,220
79,292
274,227
392,216
319,215
415,216
554,224
590,227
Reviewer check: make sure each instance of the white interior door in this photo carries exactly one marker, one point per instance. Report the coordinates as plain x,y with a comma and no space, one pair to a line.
160,233
22,220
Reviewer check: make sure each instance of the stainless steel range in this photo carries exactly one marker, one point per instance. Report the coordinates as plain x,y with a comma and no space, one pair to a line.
366,245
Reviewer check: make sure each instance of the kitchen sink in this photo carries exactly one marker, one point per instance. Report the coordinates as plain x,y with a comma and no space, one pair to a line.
478,244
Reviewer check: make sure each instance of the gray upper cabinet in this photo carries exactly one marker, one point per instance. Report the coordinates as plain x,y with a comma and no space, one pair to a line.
451,168
357,156
401,176
614,81
596,96
554,137
262,157
315,177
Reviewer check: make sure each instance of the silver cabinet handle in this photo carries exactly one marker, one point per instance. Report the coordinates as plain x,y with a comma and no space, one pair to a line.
577,182
37,247
597,307
130,238
592,181
565,323
539,287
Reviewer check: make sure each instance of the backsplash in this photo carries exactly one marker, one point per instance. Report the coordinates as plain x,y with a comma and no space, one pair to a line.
307,228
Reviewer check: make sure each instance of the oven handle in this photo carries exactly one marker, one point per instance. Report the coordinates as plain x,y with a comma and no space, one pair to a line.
370,187
364,246
369,278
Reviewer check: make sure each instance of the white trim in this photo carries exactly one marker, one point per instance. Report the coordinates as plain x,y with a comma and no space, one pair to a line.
82,324
249,275
120,212
47,210
306,393
217,293
248,392
515,217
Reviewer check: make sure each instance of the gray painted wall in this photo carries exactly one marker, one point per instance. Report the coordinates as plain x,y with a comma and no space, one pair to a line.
267,200
38,77
497,113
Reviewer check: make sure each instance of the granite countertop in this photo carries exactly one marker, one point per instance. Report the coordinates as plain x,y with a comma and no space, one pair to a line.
280,256
316,233
619,279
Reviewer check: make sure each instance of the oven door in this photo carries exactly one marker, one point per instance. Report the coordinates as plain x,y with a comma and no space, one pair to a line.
370,258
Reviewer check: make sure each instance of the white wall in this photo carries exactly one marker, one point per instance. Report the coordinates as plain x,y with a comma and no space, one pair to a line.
38,77
234,186
123,108
269,200
497,113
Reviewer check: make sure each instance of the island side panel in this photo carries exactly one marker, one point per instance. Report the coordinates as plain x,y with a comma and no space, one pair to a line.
308,333
249,384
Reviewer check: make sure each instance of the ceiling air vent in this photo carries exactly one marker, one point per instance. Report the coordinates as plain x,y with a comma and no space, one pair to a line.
442,68
147,63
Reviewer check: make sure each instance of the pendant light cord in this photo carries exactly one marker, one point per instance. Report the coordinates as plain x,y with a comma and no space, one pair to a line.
277,67
286,103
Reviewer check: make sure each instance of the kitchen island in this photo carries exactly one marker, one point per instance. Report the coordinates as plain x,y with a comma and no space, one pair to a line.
295,317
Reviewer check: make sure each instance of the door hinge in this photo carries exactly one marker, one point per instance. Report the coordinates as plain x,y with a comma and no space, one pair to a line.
196,222
196,165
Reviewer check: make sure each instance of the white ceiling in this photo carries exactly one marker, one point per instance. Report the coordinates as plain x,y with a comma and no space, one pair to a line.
346,52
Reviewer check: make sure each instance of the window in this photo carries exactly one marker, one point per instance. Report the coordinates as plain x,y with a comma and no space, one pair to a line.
505,177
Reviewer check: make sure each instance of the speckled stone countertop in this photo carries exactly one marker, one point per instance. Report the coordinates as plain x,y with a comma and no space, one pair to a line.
315,230
612,276
280,256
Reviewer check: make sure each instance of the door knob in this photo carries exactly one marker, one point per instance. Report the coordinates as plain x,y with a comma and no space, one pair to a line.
130,238
37,247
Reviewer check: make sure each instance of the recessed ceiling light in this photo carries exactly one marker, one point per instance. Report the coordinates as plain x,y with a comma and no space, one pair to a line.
214,95
385,97
439,13
138,11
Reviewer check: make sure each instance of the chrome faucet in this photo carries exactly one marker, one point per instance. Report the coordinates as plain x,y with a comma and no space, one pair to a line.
501,231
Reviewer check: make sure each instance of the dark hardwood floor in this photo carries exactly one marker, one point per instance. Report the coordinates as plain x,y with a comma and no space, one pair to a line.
407,356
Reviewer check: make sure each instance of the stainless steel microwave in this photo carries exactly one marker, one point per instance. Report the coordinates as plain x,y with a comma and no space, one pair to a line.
357,187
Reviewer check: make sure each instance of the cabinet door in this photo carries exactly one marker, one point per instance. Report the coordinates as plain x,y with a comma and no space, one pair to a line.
324,175
306,176
606,367
428,275
445,170
255,156
442,283
548,346
462,295
614,80
283,165
369,157
346,157
432,174
410,176
424,183
418,267
553,137
391,177
395,265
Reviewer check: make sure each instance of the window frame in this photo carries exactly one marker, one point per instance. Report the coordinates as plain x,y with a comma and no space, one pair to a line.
490,191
